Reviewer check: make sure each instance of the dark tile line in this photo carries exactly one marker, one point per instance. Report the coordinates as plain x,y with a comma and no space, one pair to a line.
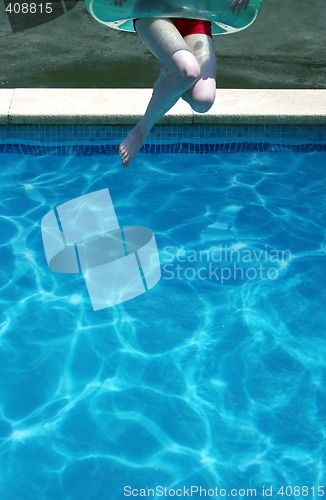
176,148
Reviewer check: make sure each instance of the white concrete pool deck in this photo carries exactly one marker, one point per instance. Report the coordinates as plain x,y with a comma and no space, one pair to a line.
126,106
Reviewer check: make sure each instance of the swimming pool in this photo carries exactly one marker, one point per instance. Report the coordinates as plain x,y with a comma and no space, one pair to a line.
215,378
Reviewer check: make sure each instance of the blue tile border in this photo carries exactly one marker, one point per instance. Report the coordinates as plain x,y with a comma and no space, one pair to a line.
179,148
190,139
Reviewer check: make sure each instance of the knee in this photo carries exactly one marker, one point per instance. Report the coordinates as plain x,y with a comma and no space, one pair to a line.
203,104
189,72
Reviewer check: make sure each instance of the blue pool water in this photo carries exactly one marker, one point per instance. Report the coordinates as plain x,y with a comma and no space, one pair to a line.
215,378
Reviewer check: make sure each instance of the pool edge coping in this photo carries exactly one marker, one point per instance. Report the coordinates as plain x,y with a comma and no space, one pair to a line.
56,106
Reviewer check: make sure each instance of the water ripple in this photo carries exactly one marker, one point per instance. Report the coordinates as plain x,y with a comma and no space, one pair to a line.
208,379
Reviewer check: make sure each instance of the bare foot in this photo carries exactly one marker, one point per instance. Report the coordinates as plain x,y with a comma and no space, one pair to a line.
130,146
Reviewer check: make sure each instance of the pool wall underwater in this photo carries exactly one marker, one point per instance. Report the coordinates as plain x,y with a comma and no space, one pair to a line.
195,139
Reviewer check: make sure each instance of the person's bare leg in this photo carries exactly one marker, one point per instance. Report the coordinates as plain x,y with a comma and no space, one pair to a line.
201,95
164,72
165,95
166,43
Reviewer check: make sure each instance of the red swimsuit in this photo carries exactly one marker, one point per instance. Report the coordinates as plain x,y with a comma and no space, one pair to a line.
190,26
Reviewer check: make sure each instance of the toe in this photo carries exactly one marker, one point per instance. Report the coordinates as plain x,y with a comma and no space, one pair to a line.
125,156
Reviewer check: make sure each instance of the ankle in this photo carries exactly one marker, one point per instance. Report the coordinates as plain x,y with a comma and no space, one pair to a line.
142,129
